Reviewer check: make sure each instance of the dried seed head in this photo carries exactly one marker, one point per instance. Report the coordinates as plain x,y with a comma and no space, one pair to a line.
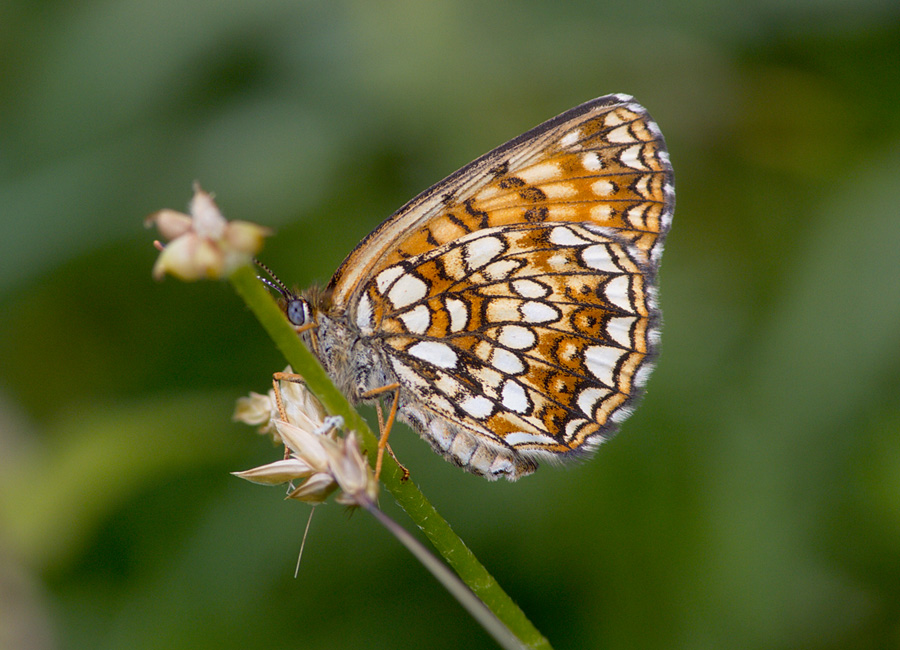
204,245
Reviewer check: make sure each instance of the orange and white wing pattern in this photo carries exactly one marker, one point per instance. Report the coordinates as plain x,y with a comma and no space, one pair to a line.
528,337
515,301
603,162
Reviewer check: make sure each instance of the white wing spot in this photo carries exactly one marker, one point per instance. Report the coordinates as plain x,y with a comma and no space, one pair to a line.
434,352
501,269
597,257
620,135
589,398
539,173
592,162
618,328
573,427
481,251
364,315
477,406
617,292
612,119
517,438
602,361
636,217
570,138
530,288
642,187
631,157
538,312
417,319
514,397
516,337
603,188
386,277
407,290
562,236
459,314
507,362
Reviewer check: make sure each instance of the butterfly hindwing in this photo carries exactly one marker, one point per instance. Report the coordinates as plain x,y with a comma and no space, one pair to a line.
533,335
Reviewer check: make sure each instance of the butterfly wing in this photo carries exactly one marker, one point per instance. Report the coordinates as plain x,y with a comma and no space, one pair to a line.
533,337
514,301
603,163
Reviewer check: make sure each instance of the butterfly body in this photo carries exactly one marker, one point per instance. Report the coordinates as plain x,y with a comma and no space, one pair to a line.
514,303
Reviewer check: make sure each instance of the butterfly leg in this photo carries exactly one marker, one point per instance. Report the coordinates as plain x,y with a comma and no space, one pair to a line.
388,447
277,378
386,429
304,328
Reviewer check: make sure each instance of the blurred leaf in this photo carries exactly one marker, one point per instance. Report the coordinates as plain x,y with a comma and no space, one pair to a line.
750,497
55,497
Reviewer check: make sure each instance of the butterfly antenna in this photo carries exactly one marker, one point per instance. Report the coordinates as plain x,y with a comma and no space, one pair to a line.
275,283
271,284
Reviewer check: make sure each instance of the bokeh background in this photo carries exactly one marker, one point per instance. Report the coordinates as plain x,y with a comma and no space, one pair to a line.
753,500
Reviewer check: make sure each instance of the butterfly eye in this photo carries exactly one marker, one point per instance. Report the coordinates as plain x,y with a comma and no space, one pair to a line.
298,311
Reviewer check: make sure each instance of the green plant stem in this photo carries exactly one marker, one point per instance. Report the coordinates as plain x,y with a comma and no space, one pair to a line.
406,493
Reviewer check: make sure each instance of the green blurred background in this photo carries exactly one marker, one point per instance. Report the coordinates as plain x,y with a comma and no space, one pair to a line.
753,500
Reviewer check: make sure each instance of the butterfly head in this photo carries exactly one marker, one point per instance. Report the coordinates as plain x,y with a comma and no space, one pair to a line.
297,308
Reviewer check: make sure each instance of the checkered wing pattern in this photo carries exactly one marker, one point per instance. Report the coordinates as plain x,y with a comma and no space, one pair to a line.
532,336
515,301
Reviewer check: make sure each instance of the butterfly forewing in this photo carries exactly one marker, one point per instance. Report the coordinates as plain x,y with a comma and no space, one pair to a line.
603,162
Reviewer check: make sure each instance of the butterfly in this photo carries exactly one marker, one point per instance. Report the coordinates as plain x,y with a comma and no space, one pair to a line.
511,309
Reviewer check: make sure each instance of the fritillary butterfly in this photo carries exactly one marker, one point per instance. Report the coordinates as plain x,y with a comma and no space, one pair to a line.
512,305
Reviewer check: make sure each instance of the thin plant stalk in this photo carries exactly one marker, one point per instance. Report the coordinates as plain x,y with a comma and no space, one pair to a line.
501,634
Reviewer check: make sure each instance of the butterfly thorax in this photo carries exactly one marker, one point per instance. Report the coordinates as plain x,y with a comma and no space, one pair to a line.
351,366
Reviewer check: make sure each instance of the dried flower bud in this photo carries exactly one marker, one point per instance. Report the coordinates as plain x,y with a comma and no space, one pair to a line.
204,244
255,410
320,460
281,471
353,474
